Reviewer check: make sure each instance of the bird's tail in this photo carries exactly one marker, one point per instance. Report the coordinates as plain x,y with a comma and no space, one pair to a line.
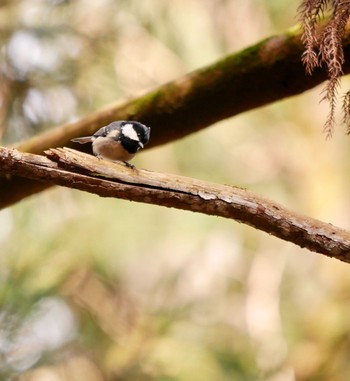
82,140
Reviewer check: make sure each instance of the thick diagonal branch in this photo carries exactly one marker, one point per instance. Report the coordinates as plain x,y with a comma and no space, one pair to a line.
77,170
264,73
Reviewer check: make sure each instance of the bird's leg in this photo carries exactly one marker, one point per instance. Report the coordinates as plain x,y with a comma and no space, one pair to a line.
129,165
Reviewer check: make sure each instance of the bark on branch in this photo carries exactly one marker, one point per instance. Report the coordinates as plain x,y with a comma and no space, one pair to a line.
73,169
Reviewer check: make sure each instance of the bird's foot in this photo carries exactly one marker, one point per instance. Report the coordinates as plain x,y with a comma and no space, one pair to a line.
129,165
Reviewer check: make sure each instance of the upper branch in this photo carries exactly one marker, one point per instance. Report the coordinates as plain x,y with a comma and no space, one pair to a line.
266,72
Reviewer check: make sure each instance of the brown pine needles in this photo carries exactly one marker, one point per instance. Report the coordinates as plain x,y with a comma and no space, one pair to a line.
326,49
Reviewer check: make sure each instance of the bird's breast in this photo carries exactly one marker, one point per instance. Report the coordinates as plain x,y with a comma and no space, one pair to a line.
110,149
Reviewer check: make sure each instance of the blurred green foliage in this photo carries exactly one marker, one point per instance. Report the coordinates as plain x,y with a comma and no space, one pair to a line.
96,289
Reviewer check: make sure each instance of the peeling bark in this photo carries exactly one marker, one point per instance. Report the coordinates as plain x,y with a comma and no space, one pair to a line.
73,169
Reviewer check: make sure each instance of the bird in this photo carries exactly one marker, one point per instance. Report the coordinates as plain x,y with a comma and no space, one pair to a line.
118,141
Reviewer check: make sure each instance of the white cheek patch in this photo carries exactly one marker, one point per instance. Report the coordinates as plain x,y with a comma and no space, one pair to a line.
129,132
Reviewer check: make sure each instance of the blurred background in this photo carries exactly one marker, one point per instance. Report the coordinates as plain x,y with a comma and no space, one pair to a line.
102,289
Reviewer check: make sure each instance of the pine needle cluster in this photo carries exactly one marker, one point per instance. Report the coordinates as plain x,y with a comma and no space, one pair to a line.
324,48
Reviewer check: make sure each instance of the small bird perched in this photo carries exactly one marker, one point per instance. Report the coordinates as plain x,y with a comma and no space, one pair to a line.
119,141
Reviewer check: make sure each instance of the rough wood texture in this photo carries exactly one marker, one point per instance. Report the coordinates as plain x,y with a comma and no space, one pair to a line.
73,169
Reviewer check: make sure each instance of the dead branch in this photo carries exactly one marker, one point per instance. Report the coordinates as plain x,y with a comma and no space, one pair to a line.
73,169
